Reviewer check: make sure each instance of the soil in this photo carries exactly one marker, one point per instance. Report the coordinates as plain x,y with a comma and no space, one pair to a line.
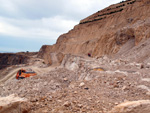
76,87
68,81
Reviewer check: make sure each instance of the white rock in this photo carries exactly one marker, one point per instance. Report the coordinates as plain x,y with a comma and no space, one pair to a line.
141,106
82,84
67,104
11,104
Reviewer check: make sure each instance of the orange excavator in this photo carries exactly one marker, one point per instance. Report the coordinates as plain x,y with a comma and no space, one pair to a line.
21,74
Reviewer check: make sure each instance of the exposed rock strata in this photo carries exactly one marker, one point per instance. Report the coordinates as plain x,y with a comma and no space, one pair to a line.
8,59
106,31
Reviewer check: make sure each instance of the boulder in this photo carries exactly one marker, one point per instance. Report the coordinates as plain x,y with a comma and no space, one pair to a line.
140,106
71,62
12,104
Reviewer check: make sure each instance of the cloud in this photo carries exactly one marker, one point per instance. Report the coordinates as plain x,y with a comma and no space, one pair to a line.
35,9
49,28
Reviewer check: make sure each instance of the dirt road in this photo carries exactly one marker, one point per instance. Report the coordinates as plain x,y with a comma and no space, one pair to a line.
12,74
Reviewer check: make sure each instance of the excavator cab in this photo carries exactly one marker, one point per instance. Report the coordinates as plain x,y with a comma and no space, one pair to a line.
21,74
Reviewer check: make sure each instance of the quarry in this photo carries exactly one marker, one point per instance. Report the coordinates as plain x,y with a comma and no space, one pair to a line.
114,78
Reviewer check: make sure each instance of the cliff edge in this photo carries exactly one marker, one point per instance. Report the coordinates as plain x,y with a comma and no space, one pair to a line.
105,32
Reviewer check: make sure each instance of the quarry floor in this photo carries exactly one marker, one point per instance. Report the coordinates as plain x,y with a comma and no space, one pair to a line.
76,86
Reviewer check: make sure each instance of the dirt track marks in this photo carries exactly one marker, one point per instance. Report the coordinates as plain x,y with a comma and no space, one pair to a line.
11,75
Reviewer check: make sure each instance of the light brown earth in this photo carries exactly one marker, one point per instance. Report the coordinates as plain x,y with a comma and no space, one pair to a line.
67,81
74,86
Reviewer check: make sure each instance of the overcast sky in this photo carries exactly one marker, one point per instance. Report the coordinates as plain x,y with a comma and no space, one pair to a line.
26,25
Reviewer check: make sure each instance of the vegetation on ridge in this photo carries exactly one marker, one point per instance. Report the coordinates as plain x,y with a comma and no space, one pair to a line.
112,12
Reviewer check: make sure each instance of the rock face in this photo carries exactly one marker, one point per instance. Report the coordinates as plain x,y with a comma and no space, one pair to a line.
8,59
52,58
106,31
141,106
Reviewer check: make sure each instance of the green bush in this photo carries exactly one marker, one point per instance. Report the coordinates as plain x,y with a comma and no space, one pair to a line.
122,1
109,9
120,6
131,2
93,20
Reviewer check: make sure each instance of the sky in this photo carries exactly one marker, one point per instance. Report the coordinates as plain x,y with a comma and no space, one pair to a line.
26,25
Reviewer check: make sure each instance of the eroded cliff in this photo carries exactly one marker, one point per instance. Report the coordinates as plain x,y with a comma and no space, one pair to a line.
106,31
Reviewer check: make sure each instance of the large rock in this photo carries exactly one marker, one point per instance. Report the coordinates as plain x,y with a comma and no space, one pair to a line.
71,62
123,35
141,106
12,104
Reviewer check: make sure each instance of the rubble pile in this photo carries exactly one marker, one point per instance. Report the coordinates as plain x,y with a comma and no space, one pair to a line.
76,86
